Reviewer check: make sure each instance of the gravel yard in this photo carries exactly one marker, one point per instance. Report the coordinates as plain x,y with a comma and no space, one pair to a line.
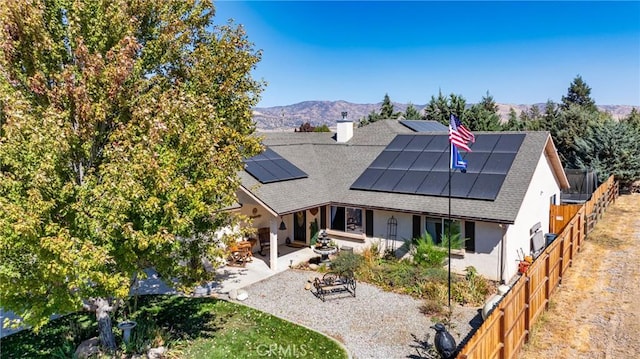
374,324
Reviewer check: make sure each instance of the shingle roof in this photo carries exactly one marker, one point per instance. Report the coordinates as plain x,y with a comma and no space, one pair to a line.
333,167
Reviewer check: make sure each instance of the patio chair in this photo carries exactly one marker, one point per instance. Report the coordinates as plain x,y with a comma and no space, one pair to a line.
264,237
240,254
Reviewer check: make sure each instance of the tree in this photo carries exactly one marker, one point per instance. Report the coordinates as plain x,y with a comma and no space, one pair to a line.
411,113
611,148
579,93
570,126
123,127
386,109
634,118
440,108
483,116
513,123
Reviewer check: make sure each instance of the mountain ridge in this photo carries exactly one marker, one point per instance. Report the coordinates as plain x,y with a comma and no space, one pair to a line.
317,112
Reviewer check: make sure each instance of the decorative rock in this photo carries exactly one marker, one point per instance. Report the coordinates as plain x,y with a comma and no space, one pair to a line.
242,294
88,348
307,286
233,294
311,278
156,353
313,266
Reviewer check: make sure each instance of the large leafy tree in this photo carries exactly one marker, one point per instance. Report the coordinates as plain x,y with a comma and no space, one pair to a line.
123,125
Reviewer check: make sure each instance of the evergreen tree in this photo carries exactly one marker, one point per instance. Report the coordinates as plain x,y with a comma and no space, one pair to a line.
386,110
411,113
572,125
579,93
549,121
513,123
483,116
611,148
440,108
634,118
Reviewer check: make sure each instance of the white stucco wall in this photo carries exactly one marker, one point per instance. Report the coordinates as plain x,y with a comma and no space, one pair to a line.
535,208
488,251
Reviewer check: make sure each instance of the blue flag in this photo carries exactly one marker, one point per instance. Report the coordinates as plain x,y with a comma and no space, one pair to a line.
456,160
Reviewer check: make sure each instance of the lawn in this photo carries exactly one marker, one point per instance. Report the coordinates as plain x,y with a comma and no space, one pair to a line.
189,327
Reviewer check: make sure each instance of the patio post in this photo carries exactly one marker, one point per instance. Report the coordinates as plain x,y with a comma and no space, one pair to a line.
273,241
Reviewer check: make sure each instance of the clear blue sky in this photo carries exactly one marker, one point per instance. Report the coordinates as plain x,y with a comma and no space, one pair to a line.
521,52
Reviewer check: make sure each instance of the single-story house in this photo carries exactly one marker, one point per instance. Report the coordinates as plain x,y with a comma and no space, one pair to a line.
387,183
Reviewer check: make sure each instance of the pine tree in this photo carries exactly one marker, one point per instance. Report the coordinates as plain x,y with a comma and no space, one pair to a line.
411,113
386,110
483,116
579,93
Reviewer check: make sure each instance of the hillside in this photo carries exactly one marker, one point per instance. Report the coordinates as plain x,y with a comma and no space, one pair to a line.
327,112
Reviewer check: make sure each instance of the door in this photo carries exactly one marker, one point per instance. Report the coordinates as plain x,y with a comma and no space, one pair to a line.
300,226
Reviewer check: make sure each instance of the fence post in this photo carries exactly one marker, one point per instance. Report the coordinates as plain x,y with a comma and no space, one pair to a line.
527,307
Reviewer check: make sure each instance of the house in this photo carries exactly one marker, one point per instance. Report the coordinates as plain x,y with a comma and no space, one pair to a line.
387,183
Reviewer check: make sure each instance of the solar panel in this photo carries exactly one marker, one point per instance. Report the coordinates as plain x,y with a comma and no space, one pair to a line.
367,179
399,143
424,126
269,167
388,180
499,163
405,160
418,143
487,186
485,143
434,184
410,181
419,164
461,184
510,144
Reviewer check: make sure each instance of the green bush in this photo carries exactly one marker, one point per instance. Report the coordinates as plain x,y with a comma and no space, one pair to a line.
427,253
346,261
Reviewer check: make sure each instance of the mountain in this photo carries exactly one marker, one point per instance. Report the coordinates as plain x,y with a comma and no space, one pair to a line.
279,118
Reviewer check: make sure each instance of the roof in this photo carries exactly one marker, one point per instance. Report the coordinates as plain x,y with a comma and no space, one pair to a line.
333,167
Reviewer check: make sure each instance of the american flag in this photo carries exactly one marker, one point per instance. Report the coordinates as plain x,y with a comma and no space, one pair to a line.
460,135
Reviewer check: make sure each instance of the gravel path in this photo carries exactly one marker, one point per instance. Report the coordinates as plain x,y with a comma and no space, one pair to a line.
375,324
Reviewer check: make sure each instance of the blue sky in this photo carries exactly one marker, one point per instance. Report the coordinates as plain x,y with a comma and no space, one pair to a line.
520,52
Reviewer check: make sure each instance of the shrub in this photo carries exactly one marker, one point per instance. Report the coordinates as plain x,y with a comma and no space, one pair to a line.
346,261
427,253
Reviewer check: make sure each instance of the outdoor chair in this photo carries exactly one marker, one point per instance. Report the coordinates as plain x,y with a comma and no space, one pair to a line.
264,239
240,254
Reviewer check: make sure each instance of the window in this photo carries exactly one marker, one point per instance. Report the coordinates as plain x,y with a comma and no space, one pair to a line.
438,228
346,219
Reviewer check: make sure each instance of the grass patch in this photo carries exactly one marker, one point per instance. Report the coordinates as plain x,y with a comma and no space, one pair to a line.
189,327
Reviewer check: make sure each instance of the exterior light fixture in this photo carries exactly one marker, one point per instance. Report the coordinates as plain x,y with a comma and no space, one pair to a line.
282,227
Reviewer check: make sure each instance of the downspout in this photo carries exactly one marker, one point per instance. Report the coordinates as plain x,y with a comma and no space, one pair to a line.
502,252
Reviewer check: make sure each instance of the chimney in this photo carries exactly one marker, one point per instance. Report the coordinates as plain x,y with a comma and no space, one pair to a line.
345,129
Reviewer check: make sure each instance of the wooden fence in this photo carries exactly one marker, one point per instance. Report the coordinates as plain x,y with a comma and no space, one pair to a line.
506,329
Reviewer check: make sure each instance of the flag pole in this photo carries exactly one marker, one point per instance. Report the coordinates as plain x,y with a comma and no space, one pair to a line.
449,222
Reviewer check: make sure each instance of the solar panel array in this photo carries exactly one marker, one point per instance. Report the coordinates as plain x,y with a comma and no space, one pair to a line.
424,126
269,167
419,164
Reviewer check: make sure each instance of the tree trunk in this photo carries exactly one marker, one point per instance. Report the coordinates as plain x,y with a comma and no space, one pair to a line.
105,329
